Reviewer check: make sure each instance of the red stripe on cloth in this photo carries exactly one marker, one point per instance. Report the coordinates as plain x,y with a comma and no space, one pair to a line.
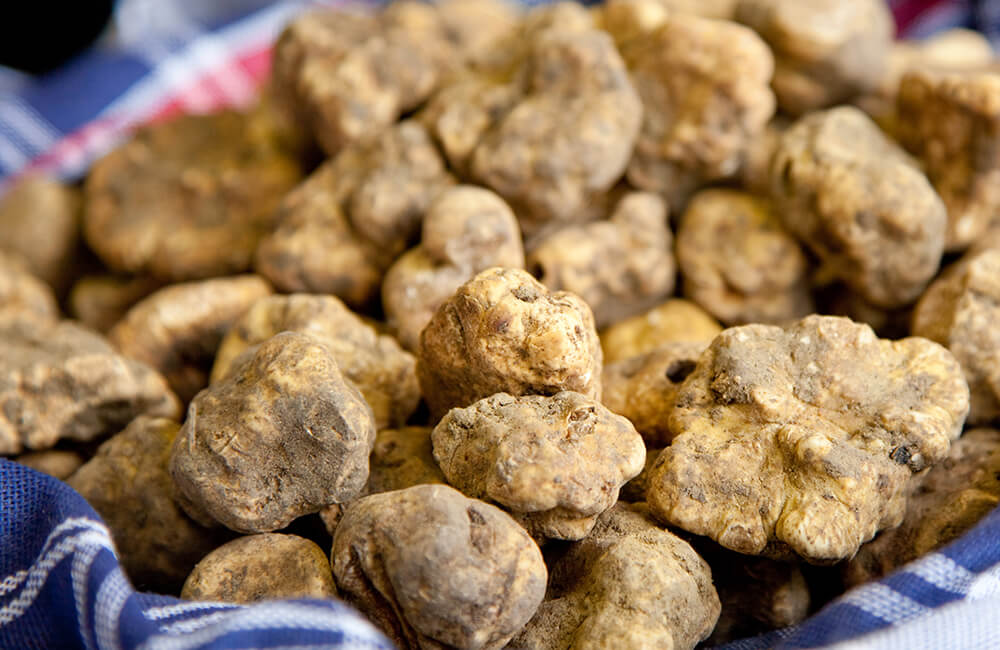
907,12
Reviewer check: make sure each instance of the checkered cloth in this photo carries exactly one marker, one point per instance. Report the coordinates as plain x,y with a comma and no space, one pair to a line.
61,585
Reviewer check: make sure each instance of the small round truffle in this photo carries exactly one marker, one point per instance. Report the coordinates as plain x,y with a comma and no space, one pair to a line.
100,301
738,261
555,463
58,463
700,111
400,459
503,331
466,230
801,440
675,321
40,221
127,483
433,568
189,198
860,204
644,388
268,566
283,436
61,381
826,51
961,311
24,298
384,373
177,329
629,584
620,266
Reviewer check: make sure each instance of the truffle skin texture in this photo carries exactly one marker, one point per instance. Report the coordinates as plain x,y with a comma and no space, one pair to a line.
349,75
856,199
466,230
738,261
400,459
282,437
189,198
675,321
127,483
629,584
433,568
802,440
177,329
503,331
643,388
961,311
951,121
570,135
100,301
62,381
381,370
700,111
826,51
953,496
555,462
24,298
620,266
340,229
58,463
267,566
40,220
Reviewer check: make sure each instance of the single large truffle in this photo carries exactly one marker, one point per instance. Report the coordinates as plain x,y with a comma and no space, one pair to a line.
61,381
555,463
802,440
503,331
283,436
433,568
860,204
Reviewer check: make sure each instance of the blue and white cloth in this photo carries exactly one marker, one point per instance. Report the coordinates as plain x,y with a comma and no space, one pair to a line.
61,585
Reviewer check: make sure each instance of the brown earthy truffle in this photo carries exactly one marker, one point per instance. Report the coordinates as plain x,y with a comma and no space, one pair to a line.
400,459
826,51
571,133
857,200
701,111
620,266
474,26
127,483
344,225
40,221
189,198
635,490
433,568
466,230
555,463
629,19
643,388
801,440
61,381
629,584
758,594
961,311
951,121
24,298
58,463
384,373
283,436
100,301
503,331
348,75
738,261
268,566
953,496
675,321
177,330
755,174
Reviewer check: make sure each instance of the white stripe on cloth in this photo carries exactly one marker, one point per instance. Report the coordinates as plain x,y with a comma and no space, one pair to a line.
41,569
273,616
192,624
82,561
169,611
108,606
12,581
942,572
11,156
986,585
36,131
884,602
